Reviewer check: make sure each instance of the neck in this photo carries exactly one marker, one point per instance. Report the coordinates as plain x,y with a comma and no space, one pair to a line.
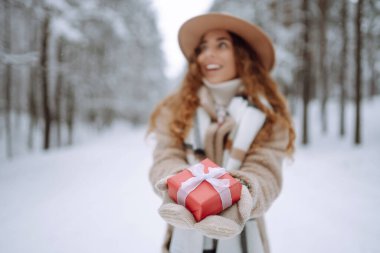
223,92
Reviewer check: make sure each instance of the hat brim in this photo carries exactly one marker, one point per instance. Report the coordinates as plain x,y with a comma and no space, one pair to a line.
191,32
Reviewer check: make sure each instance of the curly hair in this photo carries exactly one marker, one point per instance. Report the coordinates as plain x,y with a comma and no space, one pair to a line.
257,82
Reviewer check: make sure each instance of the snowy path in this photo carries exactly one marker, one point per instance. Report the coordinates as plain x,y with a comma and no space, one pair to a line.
81,200
95,197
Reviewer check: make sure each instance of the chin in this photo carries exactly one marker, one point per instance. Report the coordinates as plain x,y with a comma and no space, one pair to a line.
218,80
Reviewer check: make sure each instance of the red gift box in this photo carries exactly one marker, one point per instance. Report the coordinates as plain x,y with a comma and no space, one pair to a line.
206,199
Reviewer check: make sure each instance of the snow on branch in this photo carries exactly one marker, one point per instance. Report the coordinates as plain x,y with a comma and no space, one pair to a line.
65,29
70,15
59,5
18,59
116,21
111,17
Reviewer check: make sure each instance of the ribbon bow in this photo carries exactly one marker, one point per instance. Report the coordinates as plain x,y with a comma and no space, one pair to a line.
220,185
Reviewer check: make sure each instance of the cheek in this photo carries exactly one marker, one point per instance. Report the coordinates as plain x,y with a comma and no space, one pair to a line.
200,59
232,64
199,62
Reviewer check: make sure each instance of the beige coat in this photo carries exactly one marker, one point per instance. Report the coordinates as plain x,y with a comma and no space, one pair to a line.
261,169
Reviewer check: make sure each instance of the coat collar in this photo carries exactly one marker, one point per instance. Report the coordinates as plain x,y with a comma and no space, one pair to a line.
207,102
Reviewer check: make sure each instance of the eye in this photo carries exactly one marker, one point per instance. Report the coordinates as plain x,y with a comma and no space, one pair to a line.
223,45
202,47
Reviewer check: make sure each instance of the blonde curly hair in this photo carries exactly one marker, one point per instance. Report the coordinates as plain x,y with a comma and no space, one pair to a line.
257,82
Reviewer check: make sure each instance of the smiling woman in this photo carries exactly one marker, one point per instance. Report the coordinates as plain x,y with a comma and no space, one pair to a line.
229,110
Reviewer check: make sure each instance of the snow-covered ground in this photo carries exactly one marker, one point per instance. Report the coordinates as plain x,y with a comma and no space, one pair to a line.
95,196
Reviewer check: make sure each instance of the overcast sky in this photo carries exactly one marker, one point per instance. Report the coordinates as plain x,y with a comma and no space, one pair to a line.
171,15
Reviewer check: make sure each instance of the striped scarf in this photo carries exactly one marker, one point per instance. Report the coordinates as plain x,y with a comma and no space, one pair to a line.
226,141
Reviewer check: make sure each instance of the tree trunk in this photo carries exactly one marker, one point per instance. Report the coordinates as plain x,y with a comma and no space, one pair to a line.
306,71
58,91
323,6
274,9
372,63
45,80
343,69
8,79
70,112
32,101
371,54
358,71
33,80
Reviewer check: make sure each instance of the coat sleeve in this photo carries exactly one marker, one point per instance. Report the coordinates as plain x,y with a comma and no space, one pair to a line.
168,157
261,170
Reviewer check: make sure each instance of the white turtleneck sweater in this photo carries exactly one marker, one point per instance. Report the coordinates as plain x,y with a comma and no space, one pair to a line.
222,93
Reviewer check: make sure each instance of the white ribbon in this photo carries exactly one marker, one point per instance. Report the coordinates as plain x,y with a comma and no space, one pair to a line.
220,185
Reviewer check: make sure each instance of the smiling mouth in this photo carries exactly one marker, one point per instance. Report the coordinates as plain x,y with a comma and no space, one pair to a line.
213,66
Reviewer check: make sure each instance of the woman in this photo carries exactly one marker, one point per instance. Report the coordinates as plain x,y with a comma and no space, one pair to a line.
229,110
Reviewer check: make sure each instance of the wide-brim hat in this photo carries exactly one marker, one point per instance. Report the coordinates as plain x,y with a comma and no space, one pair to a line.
191,32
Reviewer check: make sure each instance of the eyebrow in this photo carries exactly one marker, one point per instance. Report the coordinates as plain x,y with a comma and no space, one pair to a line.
218,39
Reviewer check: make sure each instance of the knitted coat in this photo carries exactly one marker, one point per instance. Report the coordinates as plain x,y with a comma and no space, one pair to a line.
261,169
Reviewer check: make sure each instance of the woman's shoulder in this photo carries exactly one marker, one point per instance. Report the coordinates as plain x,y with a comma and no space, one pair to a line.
167,104
164,114
161,115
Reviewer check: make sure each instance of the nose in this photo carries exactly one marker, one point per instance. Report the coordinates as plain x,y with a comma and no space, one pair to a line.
210,52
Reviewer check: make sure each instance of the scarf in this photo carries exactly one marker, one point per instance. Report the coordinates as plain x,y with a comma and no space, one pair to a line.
224,139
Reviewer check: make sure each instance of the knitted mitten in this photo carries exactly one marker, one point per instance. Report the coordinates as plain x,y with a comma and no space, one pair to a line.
230,222
227,224
174,214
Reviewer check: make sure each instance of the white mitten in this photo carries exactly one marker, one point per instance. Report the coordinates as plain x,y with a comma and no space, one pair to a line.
227,224
162,185
230,222
173,213
176,215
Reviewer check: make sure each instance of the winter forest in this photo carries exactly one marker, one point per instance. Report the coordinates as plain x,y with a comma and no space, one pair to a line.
66,63
70,63
79,79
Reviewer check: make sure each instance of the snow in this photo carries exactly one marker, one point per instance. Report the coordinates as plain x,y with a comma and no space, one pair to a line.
15,59
95,196
60,5
81,199
63,28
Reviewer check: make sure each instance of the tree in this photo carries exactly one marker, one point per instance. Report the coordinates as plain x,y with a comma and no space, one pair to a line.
372,43
58,91
323,10
44,62
306,70
8,78
358,70
343,67
33,87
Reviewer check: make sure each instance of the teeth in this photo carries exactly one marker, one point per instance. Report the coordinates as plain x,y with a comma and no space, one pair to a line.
213,66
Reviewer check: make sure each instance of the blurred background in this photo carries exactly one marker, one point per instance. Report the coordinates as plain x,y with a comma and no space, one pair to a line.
79,79
67,63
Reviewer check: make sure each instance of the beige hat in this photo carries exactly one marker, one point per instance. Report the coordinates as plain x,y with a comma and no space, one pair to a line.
192,30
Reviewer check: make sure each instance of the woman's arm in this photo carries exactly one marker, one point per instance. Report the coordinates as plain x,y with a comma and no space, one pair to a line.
168,157
262,170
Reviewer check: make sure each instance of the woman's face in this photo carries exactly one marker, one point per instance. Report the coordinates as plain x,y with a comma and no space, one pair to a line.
216,56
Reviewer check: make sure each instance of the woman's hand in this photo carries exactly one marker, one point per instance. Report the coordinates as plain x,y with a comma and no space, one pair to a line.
231,221
174,214
227,224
